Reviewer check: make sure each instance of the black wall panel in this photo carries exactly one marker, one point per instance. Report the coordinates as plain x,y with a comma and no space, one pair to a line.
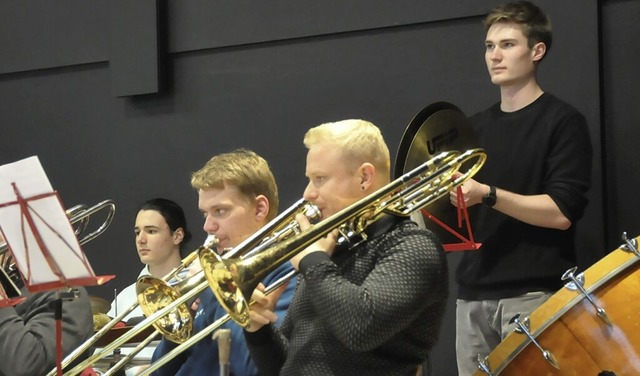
136,47
39,34
620,28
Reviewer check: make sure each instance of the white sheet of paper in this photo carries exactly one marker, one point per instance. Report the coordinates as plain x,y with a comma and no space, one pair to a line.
50,221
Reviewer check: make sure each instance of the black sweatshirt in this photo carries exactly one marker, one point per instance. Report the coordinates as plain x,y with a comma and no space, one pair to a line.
543,148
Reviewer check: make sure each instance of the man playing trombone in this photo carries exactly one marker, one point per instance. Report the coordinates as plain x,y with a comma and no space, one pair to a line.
237,195
370,305
28,330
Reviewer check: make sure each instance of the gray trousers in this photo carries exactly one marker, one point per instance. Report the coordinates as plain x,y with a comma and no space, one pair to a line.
482,324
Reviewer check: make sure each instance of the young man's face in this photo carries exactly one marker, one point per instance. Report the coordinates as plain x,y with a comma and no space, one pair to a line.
154,240
509,59
332,184
229,215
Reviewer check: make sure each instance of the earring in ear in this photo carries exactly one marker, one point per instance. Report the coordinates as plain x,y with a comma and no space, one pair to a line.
362,187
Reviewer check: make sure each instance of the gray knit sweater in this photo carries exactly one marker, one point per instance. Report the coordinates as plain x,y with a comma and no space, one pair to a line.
374,309
28,334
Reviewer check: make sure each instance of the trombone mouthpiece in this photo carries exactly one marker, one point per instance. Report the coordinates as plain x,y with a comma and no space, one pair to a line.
312,212
210,241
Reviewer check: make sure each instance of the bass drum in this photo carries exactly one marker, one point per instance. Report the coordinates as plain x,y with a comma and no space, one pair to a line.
567,329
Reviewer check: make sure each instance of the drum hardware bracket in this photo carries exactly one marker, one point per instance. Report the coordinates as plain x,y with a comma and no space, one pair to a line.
483,364
523,327
577,283
630,245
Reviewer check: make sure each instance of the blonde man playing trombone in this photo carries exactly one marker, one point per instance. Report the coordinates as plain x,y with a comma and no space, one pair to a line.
237,195
361,308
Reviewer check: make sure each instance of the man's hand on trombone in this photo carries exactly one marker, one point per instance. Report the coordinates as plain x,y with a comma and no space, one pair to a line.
325,244
262,306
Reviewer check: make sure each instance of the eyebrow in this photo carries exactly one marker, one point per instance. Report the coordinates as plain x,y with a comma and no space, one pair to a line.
146,227
217,206
501,40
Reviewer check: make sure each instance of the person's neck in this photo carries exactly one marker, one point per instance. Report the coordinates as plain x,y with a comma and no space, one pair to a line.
162,269
516,97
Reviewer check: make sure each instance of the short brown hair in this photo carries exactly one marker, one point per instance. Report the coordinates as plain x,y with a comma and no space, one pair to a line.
535,24
244,169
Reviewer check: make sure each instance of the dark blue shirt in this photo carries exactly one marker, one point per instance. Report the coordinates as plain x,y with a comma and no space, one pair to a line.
202,358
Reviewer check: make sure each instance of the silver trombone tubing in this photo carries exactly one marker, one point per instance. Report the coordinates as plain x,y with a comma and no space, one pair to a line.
82,225
86,214
207,331
80,213
132,332
258,240
124,360
100,333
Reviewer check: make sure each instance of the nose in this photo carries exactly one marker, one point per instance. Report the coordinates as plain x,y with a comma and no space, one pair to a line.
141,238
310,193
210,225
495,54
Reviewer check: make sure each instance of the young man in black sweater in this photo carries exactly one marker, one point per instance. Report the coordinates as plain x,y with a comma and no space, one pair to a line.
529,194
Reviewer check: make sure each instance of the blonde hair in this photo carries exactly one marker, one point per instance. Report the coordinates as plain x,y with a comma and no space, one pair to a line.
358,140
244,169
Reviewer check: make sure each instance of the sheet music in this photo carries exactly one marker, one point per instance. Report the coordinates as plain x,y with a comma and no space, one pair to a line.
50,220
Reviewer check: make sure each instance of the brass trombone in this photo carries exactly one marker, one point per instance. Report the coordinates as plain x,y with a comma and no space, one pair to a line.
122,339
153,293
234,276
234,279
207,331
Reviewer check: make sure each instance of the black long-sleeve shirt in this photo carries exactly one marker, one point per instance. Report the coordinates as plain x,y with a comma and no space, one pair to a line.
543,148
375,309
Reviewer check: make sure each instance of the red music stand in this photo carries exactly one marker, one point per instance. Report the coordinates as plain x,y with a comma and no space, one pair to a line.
41,238
463,216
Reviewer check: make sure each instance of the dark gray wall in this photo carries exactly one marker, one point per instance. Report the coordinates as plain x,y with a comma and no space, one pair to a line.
621,116
258,75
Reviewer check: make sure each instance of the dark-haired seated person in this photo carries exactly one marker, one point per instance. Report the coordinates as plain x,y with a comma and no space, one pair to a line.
161,233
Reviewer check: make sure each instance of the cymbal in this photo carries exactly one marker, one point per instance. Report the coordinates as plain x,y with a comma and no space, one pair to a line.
99,305
438,127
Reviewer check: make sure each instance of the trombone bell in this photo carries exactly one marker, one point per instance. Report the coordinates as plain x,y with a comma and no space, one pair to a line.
224,282
153,295
233,282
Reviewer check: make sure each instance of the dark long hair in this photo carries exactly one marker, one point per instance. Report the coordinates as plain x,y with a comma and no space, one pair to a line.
172,214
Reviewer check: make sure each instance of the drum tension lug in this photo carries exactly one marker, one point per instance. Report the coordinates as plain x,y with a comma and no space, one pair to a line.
483,364
630,245
577,283
523,327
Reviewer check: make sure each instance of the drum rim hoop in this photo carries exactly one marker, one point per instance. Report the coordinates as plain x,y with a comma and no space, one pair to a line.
525,341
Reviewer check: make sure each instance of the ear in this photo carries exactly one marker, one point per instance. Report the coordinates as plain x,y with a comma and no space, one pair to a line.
178,235
262,207
367,173
538,51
